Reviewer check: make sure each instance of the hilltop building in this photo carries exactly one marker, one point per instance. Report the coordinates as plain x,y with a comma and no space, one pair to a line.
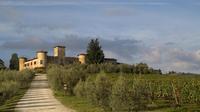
42,59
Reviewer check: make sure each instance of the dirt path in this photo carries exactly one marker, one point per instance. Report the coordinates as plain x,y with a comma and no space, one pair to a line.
39,98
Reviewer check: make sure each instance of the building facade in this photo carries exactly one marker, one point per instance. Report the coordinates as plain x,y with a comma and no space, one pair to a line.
42,59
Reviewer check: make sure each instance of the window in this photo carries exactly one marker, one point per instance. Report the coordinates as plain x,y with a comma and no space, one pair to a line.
34,62
41,62
24,65
31,63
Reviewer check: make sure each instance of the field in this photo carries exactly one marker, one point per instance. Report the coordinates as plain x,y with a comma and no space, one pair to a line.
114,90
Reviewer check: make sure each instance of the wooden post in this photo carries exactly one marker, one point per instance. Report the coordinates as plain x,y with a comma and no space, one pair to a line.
65,88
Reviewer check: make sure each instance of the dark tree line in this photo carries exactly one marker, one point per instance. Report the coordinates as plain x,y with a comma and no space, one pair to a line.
14,62
2,66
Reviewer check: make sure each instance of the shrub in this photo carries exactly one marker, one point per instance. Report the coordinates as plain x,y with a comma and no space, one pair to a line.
127,95
12,81
124,68
58,76
93,68
136,95
90,90
8,89
79,89
120,95
55,77
110,68
103,90
71,78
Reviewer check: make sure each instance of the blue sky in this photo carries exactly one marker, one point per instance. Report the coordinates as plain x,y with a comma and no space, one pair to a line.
163,33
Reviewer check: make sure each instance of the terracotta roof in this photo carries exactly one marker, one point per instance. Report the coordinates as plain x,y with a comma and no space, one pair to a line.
31,59
60,46
81,54
23,57
41,52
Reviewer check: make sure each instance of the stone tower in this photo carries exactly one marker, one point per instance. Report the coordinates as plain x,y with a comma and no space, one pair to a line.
59,52
82,58
42,59
22,61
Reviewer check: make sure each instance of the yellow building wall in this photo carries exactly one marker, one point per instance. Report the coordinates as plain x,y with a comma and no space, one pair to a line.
59,51
39,62
55,51
22,61
41,59
82,59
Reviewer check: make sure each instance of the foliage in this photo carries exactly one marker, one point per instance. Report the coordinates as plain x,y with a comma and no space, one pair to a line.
124,68
120,100
55,77
12,81
110,68
58,76
102,90
79,89
14,62
2,66
90,89
141,68
95,54
93,68
126,91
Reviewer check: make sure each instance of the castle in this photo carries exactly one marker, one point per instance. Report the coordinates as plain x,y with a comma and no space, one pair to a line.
42,59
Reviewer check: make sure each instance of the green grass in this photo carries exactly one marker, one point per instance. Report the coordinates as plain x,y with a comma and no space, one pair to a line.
9,104
78,104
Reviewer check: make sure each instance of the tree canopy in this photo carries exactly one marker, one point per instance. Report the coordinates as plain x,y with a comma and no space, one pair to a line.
2,66
14,62
95,54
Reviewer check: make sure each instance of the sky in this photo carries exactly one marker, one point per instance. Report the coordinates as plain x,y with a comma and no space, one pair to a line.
162,33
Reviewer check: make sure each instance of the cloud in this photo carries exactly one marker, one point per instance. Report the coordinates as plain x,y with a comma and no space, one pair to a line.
31,43
9,14
75,2
152,55
170,58
124,48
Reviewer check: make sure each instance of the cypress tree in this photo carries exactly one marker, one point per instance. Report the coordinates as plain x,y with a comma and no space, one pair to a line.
95,54
14,62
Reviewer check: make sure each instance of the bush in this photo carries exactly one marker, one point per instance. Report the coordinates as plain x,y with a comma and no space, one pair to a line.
103,90
110,68
127,95
124,68
58,76
120,95
90,90
8,89
71,78
12,81
93,68
79,89
55,77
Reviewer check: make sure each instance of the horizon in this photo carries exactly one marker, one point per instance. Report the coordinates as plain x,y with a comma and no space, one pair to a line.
162,33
